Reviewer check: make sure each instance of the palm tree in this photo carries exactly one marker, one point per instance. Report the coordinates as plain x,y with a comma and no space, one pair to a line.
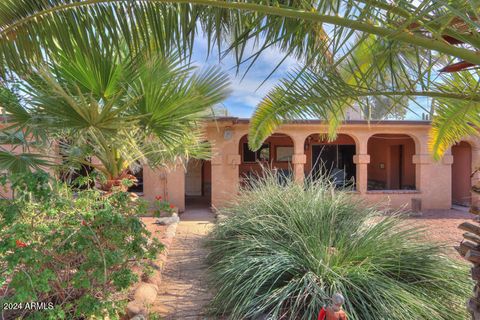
114,111
324,34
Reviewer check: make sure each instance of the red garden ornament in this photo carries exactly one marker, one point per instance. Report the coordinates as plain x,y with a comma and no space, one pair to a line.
334,311
322,314
20,244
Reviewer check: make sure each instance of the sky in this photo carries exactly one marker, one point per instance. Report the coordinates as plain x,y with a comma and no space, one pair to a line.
246,93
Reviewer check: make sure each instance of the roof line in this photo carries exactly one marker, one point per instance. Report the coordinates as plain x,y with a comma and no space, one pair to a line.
318,121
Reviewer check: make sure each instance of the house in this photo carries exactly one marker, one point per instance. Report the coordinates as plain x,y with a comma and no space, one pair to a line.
385,161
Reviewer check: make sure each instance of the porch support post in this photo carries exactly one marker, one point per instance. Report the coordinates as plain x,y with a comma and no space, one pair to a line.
299,161
421,162
362,161
299,158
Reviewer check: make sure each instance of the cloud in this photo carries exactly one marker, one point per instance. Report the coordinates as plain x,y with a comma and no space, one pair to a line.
246,93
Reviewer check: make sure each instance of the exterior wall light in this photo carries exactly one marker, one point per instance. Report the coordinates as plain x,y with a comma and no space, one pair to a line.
227,133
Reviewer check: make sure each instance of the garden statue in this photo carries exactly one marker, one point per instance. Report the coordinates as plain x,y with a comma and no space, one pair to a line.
334,311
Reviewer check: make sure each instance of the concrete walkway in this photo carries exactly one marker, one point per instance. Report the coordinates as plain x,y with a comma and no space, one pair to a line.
183,293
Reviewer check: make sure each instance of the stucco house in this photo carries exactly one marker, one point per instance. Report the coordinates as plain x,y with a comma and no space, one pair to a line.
384,161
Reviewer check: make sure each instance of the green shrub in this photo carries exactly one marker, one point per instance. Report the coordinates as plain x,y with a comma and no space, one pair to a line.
283,250
72,252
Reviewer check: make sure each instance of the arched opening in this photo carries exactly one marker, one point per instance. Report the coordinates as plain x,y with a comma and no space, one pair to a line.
332,159
391,164
275,153
198,183
461,173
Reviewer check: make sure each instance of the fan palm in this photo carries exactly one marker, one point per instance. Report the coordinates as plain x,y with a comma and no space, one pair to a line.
324,34
114,111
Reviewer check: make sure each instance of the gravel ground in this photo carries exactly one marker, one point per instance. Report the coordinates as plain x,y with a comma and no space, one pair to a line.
442,225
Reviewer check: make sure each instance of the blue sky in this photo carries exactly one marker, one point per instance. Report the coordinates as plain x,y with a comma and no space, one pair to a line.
245,92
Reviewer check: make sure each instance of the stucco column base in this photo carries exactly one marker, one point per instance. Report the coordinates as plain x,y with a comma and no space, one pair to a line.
298,161
362,161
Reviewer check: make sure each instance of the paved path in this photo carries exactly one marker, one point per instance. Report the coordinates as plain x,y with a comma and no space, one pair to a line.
183,293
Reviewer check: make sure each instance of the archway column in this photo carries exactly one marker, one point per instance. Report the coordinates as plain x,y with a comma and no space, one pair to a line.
422,163
225,178
298,161
299,158
361,160
475,181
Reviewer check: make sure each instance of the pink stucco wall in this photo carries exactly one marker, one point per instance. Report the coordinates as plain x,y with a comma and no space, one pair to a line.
384,160
432,180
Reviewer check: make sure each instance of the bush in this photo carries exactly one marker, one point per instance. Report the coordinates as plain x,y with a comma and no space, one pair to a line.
73,253
283,250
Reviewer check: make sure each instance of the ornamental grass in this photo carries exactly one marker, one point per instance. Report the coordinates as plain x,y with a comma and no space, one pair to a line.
285,248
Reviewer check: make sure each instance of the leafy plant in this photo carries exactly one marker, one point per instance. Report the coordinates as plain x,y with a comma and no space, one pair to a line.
284,249
72,252
162,206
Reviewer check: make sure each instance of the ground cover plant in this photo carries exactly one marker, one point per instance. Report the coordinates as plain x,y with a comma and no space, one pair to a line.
71,253
284,249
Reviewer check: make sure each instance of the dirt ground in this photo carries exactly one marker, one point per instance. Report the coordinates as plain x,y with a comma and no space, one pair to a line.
156,229
442,225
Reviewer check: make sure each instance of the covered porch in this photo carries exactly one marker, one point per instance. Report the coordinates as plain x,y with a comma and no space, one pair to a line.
387,163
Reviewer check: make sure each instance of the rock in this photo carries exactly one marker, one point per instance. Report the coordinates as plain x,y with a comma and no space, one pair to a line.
134,308
168,220
139,317
171,230
146,293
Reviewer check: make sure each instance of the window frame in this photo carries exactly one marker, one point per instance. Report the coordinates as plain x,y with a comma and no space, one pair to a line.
264,145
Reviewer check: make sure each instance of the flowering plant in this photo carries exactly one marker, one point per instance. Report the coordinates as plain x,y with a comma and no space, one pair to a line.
162,206
73,252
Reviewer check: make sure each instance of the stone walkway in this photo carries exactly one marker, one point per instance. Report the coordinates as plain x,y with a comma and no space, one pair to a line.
183,293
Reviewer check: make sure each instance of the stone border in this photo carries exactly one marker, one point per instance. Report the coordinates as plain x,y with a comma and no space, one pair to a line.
145,293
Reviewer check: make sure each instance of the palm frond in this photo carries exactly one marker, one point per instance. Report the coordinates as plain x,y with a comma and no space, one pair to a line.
23,162
29,29
170,93
120,109
316,95
455,119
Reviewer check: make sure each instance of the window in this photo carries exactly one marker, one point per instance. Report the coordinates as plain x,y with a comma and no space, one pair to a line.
283,154
263,154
